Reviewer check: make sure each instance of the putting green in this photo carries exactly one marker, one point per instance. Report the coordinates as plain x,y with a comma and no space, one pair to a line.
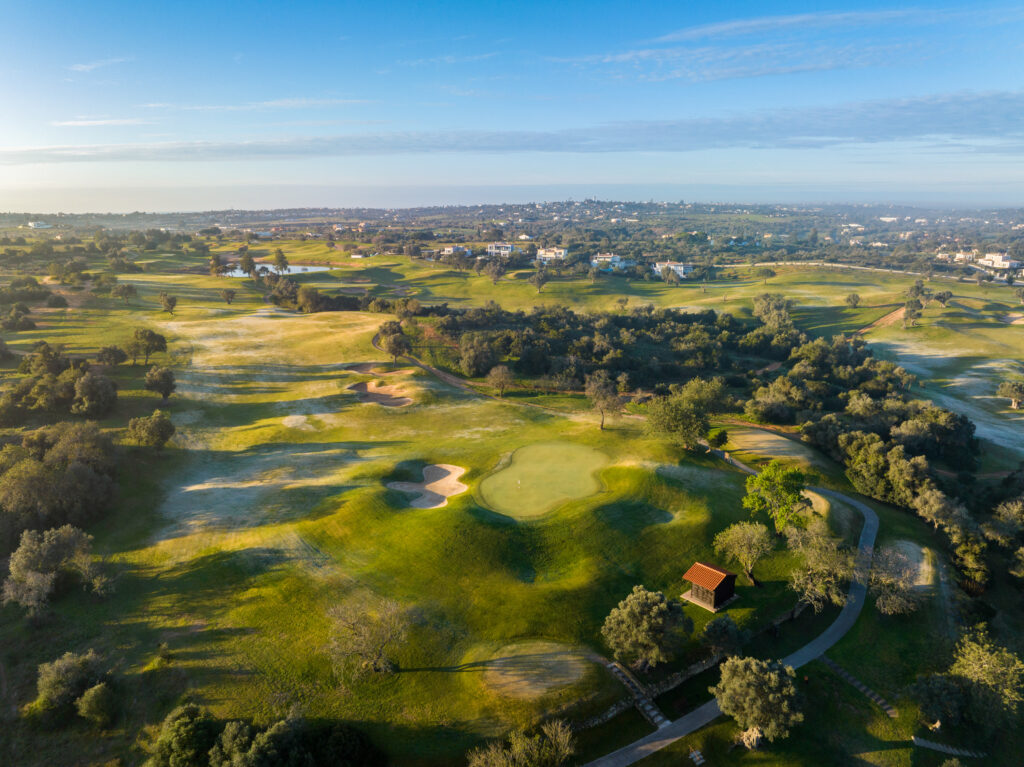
542,476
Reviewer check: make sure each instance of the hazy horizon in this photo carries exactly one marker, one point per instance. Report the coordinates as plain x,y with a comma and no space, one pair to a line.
190,200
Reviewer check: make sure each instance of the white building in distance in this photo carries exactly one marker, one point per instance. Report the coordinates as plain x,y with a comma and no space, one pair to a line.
998,261
501,249
682,270
547,255
611,261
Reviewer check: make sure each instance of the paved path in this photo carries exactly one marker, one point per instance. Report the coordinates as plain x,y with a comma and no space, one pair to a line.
849,678
946,749
707,713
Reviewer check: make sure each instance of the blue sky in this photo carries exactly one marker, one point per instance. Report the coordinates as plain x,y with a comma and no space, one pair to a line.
124,106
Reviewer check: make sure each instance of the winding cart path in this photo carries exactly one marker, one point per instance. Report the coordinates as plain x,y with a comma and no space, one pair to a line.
707,713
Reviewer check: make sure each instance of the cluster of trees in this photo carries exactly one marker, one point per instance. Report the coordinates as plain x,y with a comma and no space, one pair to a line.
191,737
49,562
24,290
56,383
61,474
644,347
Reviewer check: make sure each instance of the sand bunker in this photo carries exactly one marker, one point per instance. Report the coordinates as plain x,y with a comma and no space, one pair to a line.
388,396
440,482
1014,318
533,669
916,555
762,442
889,319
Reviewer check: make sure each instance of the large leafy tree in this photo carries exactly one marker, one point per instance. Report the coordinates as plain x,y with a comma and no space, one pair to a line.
678,420
646,627
776,492
994,677
760,696
1013,391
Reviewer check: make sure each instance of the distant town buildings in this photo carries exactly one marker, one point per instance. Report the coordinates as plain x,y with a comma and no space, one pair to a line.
39,225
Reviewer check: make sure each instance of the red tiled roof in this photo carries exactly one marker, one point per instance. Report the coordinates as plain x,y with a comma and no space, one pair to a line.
708,576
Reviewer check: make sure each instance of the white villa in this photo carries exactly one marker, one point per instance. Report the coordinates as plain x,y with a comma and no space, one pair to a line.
998,261
682,270
609,261
456,250
501,249
38,225
552,254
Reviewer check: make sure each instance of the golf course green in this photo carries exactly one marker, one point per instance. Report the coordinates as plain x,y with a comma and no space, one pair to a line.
541,476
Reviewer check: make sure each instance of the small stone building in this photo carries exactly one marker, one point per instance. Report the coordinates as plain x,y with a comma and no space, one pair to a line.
711,587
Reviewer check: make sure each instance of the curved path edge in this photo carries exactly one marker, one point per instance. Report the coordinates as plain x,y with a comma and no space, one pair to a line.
855,598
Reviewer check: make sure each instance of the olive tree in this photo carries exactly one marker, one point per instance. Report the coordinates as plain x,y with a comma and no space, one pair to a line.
646,628
500,379
1013,391
826,566
747,543
603,394
151,431
776,492
551,747
161,380
761,696
893,577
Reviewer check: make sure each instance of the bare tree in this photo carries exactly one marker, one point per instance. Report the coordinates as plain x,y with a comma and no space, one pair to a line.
365,631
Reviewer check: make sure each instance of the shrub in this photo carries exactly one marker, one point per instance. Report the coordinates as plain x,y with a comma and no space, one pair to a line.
64,680
98,704
186,737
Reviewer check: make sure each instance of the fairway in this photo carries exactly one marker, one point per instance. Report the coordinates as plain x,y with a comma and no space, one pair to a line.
541,477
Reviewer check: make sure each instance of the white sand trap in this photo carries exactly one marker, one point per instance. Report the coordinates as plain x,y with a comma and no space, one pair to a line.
300,422
533,669
440,482
388,396
762,442
923,564
1013,318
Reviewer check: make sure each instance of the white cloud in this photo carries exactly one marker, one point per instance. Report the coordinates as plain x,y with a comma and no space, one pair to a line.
764,24
291,103
88,122
945,120
90,66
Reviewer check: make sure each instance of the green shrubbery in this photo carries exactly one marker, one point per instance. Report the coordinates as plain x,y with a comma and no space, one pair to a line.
191,737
